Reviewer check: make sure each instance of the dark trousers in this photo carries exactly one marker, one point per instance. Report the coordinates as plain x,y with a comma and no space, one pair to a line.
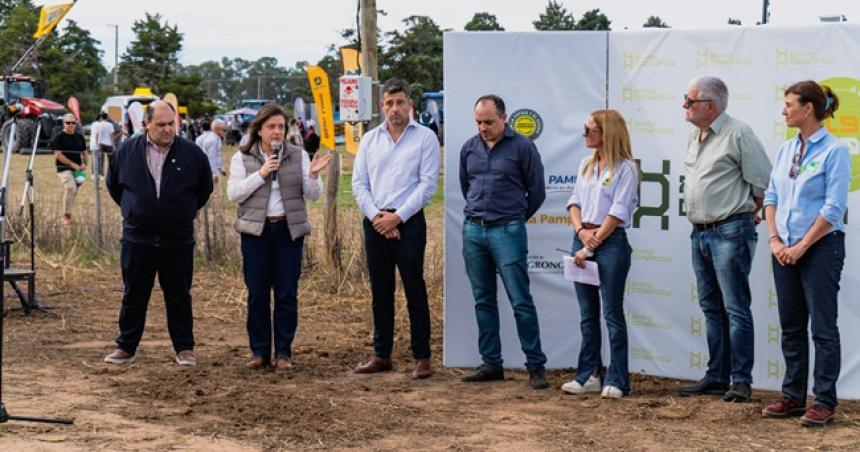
272,262
174,266
808,291
407,255
103,154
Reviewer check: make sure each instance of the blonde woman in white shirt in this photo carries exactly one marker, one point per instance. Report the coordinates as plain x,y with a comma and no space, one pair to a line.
601,208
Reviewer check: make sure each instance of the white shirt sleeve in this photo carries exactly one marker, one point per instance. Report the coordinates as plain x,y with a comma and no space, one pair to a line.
361,181
428,171
311,187
240,186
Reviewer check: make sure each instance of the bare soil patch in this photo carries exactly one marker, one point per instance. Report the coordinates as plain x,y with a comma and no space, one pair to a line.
53,367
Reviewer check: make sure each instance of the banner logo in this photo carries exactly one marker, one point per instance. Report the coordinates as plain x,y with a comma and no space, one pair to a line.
647,254
633,94
774,333
648,355
775,369
527,123
539,264
560,183
696,326
696,360
846,123
706,58
785,58
637,60
648,127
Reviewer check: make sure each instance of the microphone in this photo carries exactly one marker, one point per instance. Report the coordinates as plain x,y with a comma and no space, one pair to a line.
276,149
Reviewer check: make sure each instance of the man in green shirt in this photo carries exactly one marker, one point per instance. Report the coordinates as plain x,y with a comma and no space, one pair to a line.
727,171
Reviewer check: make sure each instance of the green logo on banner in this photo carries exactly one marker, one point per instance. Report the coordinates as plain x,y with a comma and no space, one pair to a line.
527,123
846,124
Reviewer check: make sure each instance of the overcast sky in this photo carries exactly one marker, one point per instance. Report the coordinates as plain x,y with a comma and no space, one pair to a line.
291,30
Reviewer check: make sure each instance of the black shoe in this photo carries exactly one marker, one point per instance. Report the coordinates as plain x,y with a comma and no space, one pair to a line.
704,387
485,372
537,379
739,393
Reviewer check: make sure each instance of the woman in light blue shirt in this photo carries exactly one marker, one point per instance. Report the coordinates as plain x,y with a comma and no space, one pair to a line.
804,205
601,208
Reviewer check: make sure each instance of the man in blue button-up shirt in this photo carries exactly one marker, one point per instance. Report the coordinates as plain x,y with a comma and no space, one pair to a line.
393,178
501,176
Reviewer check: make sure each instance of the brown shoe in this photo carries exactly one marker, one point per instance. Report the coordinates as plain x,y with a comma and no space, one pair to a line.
283,363
375,364
257,362
421,369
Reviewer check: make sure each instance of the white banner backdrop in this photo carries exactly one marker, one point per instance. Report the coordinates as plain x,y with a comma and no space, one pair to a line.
561,77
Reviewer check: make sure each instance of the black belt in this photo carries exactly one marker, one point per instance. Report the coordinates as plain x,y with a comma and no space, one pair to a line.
737,216
388,210
485,223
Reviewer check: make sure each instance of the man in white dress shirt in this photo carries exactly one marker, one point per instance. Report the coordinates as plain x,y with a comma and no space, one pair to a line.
394,176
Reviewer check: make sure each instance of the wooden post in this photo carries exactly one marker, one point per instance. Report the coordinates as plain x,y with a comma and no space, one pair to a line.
369,53
332,240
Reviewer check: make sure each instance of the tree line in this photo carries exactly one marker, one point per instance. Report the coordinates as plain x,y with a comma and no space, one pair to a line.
70,60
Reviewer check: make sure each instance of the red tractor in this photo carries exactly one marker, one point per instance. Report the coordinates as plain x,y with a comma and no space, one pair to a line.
20,100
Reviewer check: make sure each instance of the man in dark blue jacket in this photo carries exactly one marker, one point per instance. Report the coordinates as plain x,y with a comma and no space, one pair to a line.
160,181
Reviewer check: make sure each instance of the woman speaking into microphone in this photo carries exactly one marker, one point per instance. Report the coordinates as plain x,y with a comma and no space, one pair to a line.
270,180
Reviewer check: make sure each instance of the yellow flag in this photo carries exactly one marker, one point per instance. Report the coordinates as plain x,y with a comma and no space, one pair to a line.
351,133
322,98
50,16
351,60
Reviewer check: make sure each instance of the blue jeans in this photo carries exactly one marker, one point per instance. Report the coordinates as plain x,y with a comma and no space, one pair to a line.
501,249
804,291
722,257
272,262
613,264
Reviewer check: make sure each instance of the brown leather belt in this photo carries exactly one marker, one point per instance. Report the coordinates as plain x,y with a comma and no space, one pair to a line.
276,219
590,226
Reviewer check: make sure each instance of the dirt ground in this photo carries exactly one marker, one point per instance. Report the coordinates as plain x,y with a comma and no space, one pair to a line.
53,367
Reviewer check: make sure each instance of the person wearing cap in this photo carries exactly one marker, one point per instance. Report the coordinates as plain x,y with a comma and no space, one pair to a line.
70,155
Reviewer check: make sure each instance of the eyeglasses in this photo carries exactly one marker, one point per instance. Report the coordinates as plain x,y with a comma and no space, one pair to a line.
588,130
688,102
69,123
795,165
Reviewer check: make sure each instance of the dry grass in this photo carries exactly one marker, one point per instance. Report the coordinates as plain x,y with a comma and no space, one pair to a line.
79,246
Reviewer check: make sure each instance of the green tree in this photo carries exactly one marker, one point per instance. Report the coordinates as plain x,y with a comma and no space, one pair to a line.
191,92
655,22
555,17
6,7
483,22
734,21
593,20
72,66
152,57
16,36
414,55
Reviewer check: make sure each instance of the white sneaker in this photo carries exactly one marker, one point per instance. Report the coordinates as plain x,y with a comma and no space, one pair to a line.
611,392
573,386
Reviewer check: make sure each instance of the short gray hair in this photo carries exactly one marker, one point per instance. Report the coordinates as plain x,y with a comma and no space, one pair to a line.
219,124
710,87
